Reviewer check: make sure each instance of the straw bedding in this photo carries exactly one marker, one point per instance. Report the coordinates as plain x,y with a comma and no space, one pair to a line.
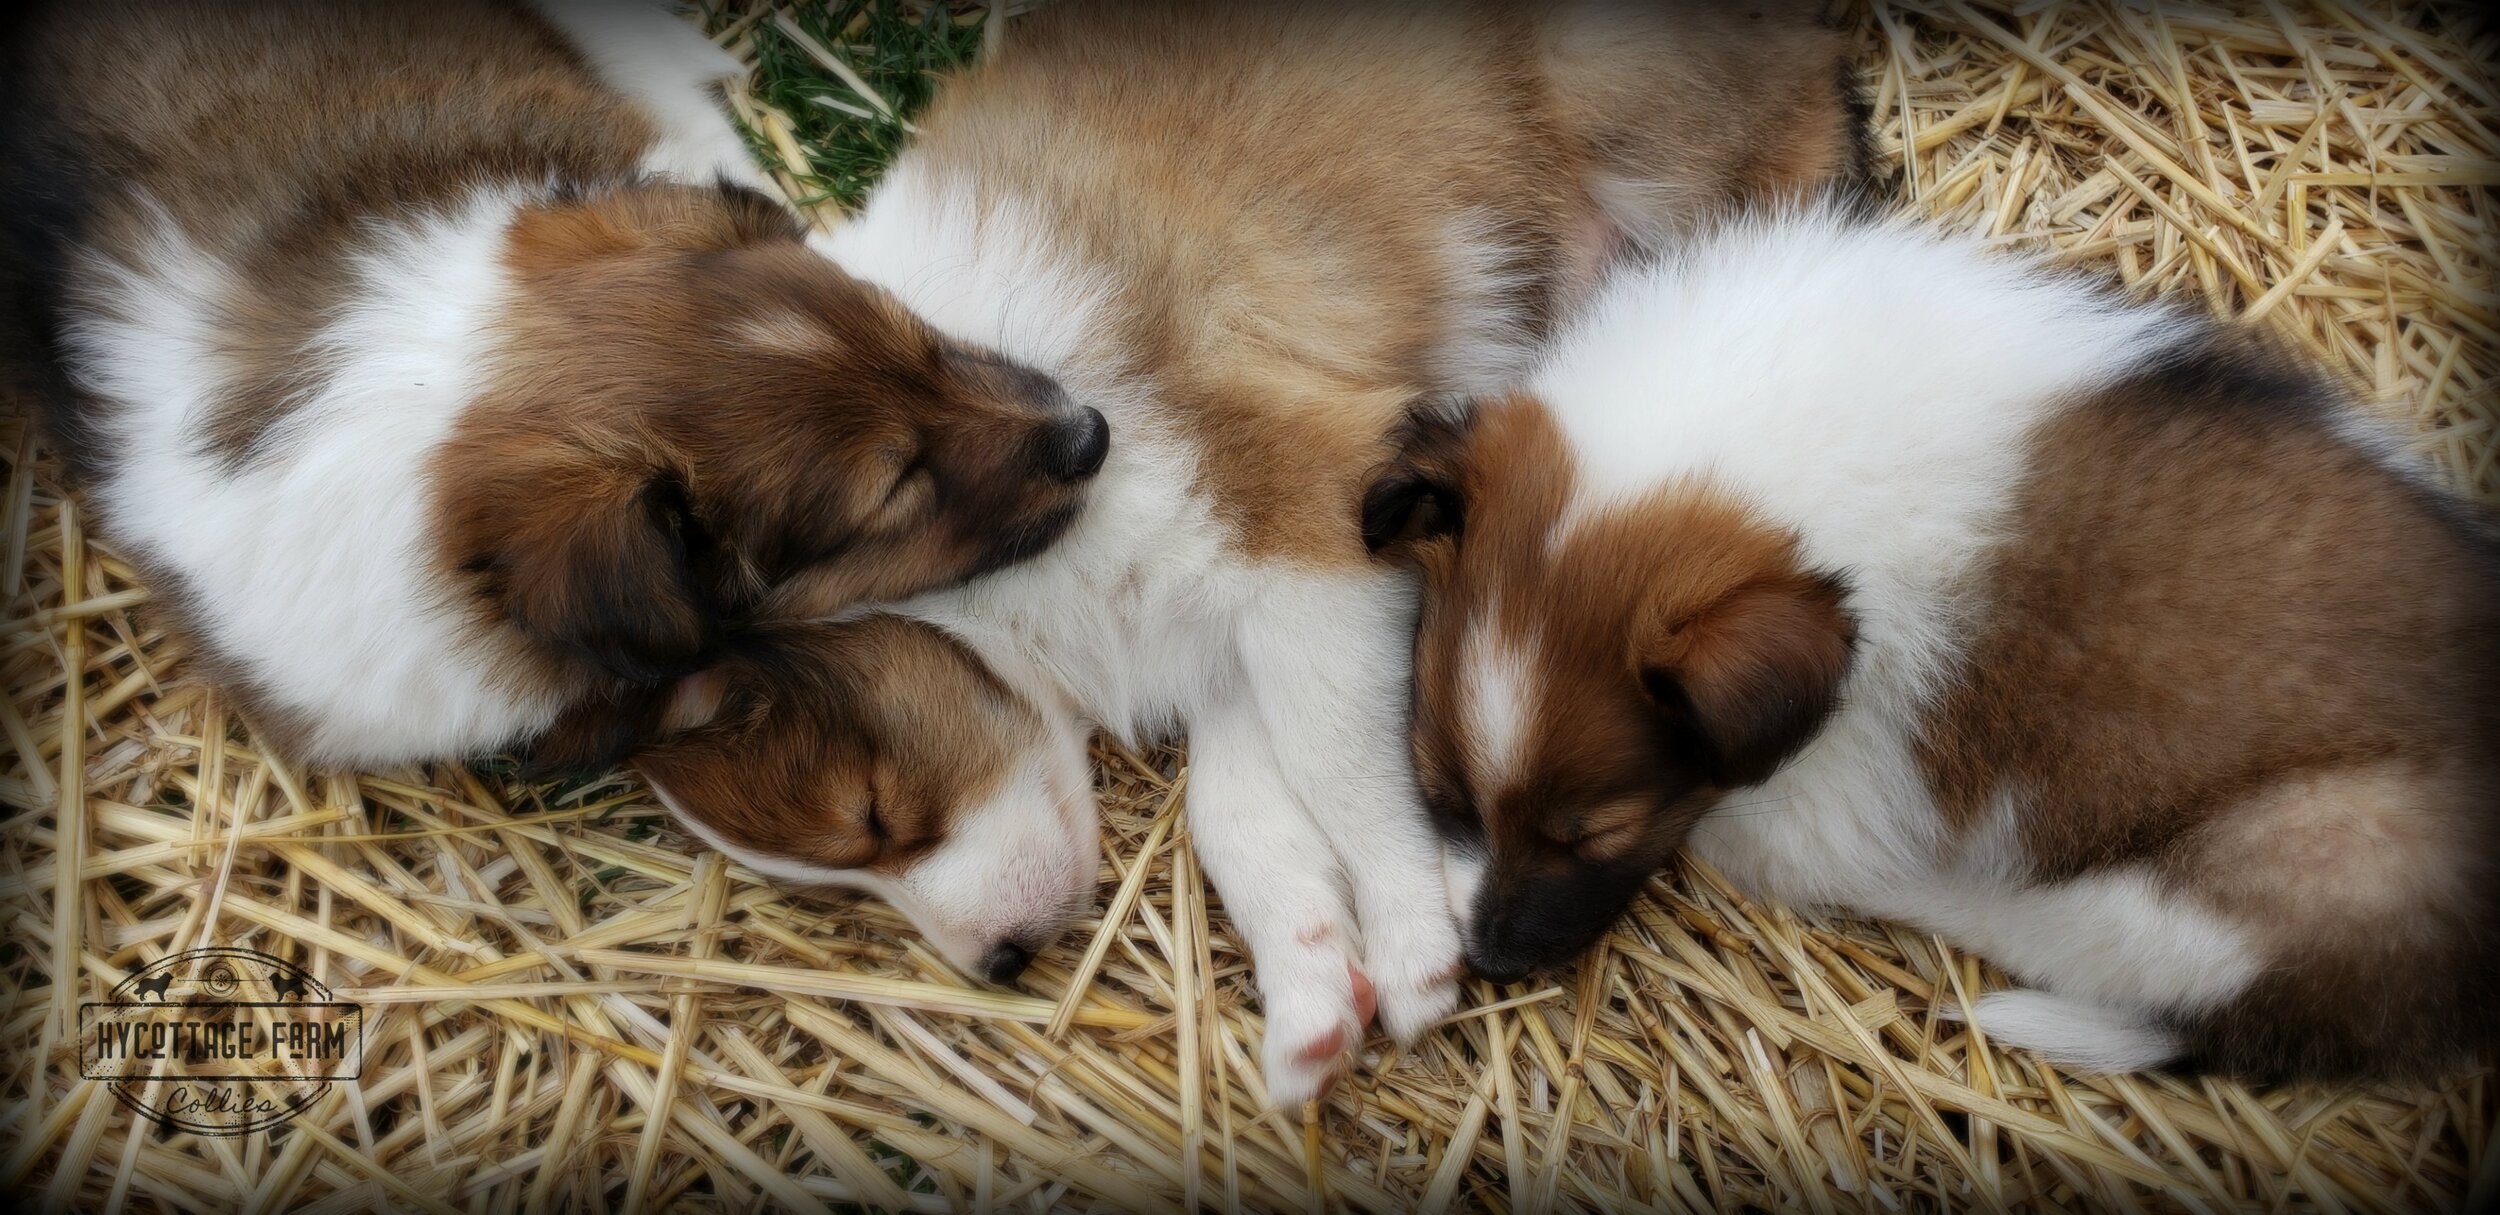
574,1005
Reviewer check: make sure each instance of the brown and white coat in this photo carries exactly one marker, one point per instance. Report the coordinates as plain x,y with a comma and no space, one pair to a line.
441,369
1251,235
2107,642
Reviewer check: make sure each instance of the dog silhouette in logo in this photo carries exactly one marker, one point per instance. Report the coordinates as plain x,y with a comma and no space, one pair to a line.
154,985
282,985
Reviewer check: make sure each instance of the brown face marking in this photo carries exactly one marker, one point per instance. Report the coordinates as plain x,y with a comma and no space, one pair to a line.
639,465
643,466
849,746
1677,649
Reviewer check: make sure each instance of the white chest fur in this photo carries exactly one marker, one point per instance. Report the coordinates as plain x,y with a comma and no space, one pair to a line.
309,566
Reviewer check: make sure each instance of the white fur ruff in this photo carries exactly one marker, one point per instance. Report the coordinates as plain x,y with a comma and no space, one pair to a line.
308,566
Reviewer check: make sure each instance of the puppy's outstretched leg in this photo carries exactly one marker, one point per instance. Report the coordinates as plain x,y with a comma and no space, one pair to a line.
1329,657
1281,890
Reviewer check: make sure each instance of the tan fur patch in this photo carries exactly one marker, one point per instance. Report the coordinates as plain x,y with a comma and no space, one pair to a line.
1280,220
786,333
2313,852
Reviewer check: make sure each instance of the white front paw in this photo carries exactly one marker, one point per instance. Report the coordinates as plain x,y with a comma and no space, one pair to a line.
1415,959
1317,1004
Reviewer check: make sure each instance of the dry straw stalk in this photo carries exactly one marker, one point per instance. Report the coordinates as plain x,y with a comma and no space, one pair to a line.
572,1005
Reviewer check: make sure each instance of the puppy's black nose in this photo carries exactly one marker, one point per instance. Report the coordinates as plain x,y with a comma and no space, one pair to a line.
1005,961
1498,965
1074,447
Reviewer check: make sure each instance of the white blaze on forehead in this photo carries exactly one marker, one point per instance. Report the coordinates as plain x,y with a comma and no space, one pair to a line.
1462,870
1498,682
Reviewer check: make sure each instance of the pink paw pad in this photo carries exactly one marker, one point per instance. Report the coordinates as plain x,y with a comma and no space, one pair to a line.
1366,1001
1323,1048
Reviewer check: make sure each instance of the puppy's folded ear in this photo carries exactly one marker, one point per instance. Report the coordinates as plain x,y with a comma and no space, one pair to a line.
1416,496
604,571
1748,679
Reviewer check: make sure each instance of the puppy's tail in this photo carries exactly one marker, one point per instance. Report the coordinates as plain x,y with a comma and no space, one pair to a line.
2074,1034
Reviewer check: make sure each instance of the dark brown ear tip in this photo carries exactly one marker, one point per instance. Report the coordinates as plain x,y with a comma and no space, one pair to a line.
1833,584
1406,501
1386,505
573,754
598,732
1768,675
1836,587
1678,718
1405,506
759,214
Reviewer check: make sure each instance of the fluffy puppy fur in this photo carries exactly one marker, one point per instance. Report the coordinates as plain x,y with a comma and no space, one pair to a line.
1251,235
441,369
1892,576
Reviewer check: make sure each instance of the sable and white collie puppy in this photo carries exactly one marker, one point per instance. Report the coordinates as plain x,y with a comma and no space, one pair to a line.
1250,235
1895,576
440,367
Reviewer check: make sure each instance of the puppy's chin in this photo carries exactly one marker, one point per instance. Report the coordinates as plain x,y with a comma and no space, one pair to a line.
1028,541
1522,925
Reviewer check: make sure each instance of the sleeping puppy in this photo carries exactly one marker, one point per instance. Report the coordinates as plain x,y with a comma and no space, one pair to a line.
1251,235
880,754
441,367
1892,576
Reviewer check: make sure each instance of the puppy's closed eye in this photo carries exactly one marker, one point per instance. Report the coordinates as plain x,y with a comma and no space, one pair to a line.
914,491
1605,833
